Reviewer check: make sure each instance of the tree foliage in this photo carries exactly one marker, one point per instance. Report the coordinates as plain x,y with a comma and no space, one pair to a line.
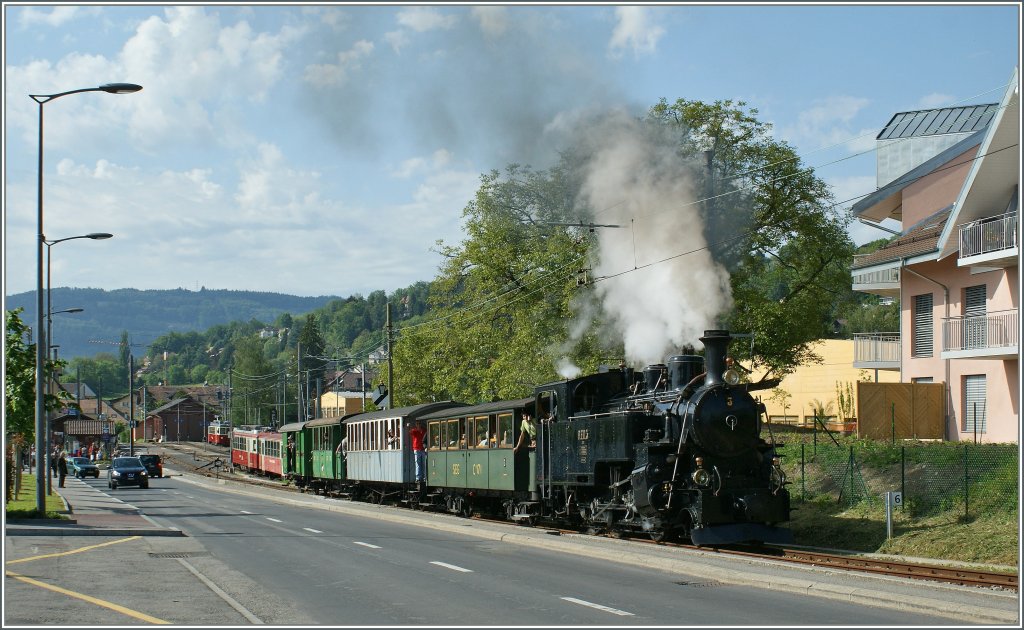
20,379
772,222
501,296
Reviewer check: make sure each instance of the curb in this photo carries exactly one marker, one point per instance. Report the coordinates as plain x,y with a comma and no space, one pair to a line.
83,531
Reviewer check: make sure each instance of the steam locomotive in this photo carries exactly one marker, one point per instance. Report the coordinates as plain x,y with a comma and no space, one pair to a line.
674,451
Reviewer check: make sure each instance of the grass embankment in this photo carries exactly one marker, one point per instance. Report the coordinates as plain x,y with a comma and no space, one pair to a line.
987,531
24,506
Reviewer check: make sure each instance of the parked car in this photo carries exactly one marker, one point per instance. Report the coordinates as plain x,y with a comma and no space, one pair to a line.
154,465
81,467
127,471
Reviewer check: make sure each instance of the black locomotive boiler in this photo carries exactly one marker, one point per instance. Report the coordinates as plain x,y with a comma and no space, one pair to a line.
676,451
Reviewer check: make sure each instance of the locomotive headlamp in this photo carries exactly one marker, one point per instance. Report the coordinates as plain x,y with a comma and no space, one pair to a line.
732,377
701,477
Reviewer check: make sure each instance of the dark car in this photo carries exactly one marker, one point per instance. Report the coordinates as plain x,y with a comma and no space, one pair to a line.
81,467
127,471
154,465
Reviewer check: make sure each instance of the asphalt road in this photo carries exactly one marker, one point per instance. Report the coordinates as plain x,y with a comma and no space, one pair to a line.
301,560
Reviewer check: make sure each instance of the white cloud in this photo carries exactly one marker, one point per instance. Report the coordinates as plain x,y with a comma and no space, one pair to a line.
32,16
493,20
398,39
634,29
422,19
934,100
349,61
828,124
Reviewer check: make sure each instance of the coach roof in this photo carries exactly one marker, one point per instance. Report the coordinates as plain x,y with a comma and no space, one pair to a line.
411,413
483,408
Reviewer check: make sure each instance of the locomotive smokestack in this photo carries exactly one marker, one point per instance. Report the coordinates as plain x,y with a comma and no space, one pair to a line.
716,342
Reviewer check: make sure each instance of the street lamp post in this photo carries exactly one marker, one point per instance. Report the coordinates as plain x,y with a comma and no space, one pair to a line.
41,343
49,334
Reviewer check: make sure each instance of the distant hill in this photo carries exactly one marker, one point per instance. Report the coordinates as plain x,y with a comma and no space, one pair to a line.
148,314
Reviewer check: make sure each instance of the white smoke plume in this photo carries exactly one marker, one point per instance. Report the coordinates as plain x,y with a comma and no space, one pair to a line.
658,285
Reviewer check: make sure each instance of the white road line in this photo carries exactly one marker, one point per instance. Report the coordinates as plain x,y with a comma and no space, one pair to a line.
310,529
614,611
451,566
356,542
271,519
245,512
245,612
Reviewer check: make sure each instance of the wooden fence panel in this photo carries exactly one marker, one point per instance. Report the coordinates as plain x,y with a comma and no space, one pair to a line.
900,410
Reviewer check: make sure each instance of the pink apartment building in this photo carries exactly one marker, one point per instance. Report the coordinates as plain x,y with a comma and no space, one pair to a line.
951,177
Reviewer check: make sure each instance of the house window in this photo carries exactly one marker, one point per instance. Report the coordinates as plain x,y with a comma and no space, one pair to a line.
922,379
974,403
923,337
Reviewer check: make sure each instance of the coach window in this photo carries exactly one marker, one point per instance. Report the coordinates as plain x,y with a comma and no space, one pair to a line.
434,435
479,432
505,430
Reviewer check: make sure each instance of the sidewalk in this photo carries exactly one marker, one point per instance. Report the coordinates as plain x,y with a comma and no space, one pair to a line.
90,513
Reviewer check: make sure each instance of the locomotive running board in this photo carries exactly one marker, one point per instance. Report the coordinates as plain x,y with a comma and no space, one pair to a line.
740,533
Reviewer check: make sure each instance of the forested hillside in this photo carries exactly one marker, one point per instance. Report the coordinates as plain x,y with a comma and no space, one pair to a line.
146,315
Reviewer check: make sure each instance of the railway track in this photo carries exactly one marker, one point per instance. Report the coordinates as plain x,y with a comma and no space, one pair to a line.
198,459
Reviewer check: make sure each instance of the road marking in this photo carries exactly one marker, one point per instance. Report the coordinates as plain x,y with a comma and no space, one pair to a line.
310,529
614,611
216,589
271,519
451,566
356,542
68,553
245,512
92,600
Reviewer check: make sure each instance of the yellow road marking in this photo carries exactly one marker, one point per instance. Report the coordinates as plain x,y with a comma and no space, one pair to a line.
73,551
92,600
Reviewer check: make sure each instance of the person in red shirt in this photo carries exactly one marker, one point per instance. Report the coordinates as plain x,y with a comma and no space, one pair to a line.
416,438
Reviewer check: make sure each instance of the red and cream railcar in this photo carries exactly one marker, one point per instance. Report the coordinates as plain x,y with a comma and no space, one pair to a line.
219,433
256,449
245,452
269,446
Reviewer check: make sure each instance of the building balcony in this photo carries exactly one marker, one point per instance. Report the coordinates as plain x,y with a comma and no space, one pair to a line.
989,242
989,336
884,281
876,351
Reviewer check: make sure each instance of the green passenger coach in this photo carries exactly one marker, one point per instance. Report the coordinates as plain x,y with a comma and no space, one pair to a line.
471,458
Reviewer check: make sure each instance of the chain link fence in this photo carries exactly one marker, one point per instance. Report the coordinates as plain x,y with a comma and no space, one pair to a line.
934,477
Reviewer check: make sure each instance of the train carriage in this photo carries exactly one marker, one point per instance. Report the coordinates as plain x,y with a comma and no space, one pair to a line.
471,462
295,445
219,433
379,454
245,448
269,445
326,461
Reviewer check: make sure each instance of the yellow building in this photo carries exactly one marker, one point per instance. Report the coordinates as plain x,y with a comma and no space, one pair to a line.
795,399
335,405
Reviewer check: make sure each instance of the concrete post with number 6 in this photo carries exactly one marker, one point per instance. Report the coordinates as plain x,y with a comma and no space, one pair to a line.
892,499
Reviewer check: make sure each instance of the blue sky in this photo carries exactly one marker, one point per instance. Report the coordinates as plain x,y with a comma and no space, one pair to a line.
324,150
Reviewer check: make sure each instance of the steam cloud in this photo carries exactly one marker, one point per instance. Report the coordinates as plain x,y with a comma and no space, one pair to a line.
658,286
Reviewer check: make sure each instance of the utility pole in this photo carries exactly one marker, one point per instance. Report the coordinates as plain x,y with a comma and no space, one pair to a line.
298,381
131,406
391,371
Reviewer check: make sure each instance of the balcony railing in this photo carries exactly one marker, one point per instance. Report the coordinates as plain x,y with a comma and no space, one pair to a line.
988,235
876,348
884,276
980,332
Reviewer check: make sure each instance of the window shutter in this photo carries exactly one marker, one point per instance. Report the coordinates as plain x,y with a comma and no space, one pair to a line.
974,403
923,336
